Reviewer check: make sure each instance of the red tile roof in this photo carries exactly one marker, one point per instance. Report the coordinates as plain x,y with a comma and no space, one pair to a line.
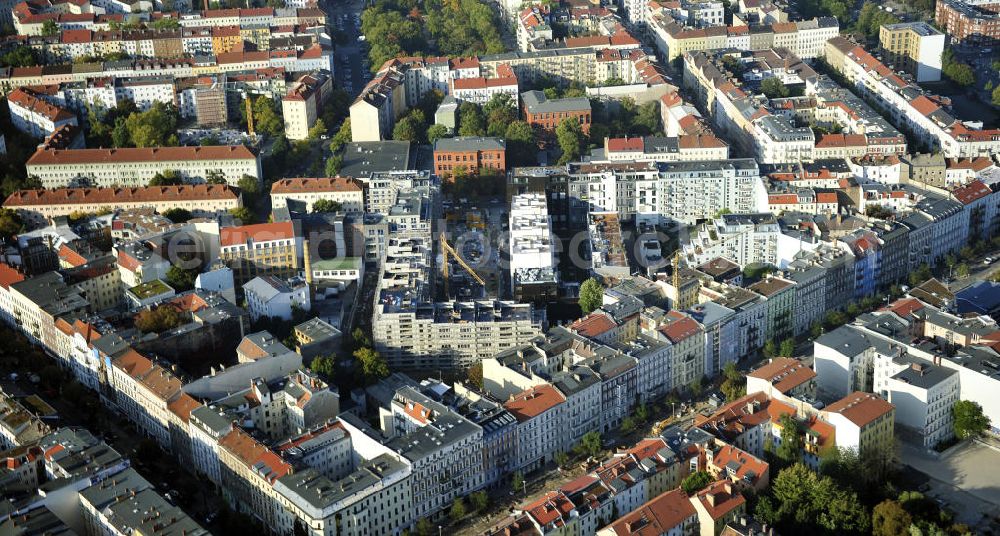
861,408
534,401
681,329
183,405
9,276
154,154
261,232
552,509
28,100
251,453
661,515
593,325
696,141
324,184
904,307
924,105
971,192
151,194
784,373
625,144
746,465
719,499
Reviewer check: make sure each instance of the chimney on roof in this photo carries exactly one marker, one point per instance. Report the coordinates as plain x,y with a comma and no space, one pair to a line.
710,498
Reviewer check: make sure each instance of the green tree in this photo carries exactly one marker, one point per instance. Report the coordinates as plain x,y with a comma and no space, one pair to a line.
22,56
326,205
266,118
10,224
317,131
243,215
787,347
959,72
591,295
569,136
802,502
517,481
407,129
479,500
249,185
996,96
590,444
647,119
165,23
790,449
436,132
157,320
424,527
50,28
181,279
696,482
470,120
214,176
156,127
457,510
561,458
962,270
522,146
774,88
342,136
770,348
499,112
871,18
922,273
968,419
628,425
696,387
735,383
167,177
333,165
373,365
177,215
324,365
475,375
890,519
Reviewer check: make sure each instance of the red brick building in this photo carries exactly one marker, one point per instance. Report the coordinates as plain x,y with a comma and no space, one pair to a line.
971,24
469,153
545,114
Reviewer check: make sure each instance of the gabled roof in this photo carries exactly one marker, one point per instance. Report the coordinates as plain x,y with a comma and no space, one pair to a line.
593,325
861,408
261,232
784,373
661,515
533,401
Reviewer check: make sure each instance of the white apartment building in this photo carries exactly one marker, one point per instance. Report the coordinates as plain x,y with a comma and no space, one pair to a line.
349,193
923,394
38,206
270,297
742,238
302,105
683,148
532,255
34,116
656,191
540,412
908,106
135,167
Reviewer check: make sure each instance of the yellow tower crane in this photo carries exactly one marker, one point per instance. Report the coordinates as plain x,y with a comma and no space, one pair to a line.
445,250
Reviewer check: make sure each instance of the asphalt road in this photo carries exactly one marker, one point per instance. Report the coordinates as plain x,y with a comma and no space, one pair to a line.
351,69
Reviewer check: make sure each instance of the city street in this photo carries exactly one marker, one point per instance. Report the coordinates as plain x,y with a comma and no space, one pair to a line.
351,69
963,480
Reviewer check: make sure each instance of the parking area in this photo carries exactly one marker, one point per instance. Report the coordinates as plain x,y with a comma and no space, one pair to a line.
965,480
